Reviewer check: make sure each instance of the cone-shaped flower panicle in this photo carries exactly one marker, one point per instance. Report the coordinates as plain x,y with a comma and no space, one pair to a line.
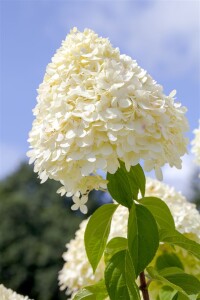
96,107
77,271
7,294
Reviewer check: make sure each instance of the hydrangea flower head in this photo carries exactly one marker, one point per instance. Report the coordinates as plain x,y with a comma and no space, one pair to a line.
77,271
196,144
96,107
7,294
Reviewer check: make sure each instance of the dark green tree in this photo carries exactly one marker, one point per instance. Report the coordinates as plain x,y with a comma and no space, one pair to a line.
35,225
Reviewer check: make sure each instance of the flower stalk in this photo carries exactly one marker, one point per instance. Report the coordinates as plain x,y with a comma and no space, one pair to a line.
144,286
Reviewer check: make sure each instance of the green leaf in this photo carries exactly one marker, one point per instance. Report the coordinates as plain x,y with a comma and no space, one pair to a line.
160,211
184,280
137,180
168,260
177,279
176,238
84,294
143,238
118,279
180,296
129,268
96,233
124,186
167,293
93,292
115,245
119,187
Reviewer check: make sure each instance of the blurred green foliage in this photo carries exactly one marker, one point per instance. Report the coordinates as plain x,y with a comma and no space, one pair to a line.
35,225
195,184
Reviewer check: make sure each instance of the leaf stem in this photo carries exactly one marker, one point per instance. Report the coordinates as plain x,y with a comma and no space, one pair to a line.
144,287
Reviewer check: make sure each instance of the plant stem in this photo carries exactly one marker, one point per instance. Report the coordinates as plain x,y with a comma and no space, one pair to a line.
144,287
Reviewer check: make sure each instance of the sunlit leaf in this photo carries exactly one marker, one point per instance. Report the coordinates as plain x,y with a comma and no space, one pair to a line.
97,231
143,237
186,284
115,245
118,279
124,186
166,260
160,211
93,292
176,238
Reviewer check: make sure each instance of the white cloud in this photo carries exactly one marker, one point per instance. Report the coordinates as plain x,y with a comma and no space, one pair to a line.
181,179
162,35
10,158
171,30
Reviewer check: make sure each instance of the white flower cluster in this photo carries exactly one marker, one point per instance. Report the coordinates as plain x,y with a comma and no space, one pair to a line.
196,144
185,214
7,294
95,107
77,271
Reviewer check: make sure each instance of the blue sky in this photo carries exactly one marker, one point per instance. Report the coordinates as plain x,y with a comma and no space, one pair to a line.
163,36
